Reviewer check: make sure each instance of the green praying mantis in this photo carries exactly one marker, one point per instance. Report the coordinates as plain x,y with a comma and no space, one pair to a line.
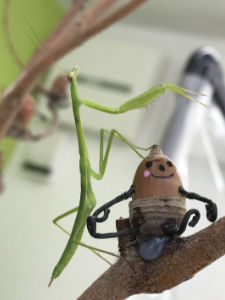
87,197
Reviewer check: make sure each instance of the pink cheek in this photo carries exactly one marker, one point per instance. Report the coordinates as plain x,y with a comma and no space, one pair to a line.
178,172
146,173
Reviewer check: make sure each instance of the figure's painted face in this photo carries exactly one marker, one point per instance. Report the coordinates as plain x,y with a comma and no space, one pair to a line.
156,176
159,168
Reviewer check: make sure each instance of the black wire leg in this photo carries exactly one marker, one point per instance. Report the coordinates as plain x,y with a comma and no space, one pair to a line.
93,220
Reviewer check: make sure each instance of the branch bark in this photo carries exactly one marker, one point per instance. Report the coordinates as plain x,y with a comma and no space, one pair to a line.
74,29
182,259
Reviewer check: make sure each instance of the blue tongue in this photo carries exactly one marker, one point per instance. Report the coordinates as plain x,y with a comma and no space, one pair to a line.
153,247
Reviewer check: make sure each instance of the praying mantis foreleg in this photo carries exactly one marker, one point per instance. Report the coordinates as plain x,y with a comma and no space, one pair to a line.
143,99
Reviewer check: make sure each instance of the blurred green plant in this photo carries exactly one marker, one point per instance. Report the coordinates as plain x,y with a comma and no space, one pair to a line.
43,15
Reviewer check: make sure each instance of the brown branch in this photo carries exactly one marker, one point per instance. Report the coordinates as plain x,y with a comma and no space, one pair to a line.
59,46
182,259
75,22
97,11
73,14
107,21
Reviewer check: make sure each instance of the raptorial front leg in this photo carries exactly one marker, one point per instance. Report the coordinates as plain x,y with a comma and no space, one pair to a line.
142,100
211,208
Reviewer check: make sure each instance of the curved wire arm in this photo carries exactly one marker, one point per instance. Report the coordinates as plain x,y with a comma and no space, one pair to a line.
211,208
92,220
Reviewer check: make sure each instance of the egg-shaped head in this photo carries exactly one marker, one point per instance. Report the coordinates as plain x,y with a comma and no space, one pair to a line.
156,176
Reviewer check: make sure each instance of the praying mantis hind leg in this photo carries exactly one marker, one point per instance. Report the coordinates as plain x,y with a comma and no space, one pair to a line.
103,158
62,216
91,248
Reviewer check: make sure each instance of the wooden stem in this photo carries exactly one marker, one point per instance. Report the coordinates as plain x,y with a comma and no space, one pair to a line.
182,259
68,35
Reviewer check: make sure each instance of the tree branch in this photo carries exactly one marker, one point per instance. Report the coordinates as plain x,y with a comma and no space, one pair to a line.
74,13
182,259
68,35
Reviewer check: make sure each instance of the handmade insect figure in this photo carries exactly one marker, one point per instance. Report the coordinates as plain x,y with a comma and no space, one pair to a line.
157,209
87,197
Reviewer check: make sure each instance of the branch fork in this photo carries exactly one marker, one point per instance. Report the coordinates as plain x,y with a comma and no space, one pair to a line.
76,27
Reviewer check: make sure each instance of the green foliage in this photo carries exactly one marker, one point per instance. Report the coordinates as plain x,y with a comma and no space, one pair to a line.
43,16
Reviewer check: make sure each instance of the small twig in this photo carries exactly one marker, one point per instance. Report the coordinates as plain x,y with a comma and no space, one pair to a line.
107,21
77,24
97,11
56,47
74,13
122,12
86,32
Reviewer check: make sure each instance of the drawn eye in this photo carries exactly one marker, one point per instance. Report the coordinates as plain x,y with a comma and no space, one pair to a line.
161,168
169,163
148,164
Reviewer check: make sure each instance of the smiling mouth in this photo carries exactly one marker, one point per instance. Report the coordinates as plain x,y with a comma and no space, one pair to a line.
171,175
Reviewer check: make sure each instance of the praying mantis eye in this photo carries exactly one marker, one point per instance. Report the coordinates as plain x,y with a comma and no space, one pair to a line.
148,164
169,163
